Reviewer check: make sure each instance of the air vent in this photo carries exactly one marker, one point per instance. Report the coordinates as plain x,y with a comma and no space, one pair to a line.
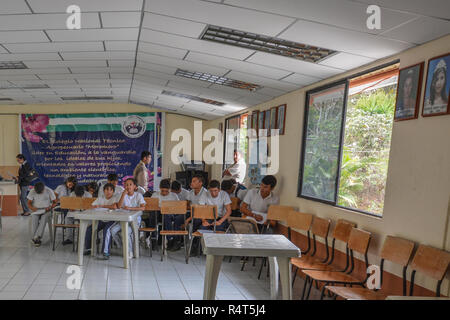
6,65
189,97
6,99
87,98
263,43
217,80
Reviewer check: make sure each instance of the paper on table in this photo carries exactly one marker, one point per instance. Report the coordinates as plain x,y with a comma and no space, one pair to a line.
264,215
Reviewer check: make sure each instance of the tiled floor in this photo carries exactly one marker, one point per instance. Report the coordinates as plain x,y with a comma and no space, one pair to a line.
27,272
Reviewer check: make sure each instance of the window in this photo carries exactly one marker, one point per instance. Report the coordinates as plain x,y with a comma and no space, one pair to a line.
347,138
239,140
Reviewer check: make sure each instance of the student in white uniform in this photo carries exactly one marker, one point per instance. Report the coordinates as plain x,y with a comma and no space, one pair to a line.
79,192
259,200
41,197
65,189
219,198
130,200
114,180
107,200
238,169
164,194
181,192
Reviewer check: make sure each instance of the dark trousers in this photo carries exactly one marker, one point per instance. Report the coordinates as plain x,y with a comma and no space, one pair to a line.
88,239
23,198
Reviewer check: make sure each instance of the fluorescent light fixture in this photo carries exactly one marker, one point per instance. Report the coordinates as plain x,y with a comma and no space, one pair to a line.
189,97
264,43
6,65
217,79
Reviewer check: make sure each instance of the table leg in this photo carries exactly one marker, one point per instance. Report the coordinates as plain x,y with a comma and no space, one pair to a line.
94,237
284,264
211,275
124,226
274,285
134,225
81,237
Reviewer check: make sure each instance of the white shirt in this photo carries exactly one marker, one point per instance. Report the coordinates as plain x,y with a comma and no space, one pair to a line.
170,197
183,194
241,194
62,191
133,201
220,201
118,190
85,194
256,203
237,171
199,198
43,200
102,201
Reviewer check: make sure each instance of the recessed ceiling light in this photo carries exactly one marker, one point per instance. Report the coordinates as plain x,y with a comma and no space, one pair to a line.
87,98
5,65
263,43
189,97
217,80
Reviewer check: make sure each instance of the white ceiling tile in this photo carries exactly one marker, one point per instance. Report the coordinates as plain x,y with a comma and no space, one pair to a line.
419,31
34,71
93,34
194,44
271,91
65,63
173,25
334,38
120,45
300,79
18,77
54,47
217,14
149,80
345,61
121,19
121,63
142,67
152,48
237,65
29,56
265,82
3,50
101,55
13,7
22,36
293,65
45,21
74,76
103,69
341,13
113,75
44,6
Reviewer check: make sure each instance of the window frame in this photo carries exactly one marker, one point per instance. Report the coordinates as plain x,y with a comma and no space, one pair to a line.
346,81
225,133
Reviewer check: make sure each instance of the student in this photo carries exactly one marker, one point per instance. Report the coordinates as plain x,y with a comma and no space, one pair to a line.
92,188
181,192
219,198
41,197
24,179
164,194
239,190
107,200
129,200
140,173
79,192
259,200
113,179
228,187
65,189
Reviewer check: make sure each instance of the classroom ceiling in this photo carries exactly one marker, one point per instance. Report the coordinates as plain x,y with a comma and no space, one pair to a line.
129,51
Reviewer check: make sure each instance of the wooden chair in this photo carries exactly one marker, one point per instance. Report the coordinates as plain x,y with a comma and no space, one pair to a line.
151,204
66,203
1,207
358,242
173,207
396,250
208,212
433,263
242,226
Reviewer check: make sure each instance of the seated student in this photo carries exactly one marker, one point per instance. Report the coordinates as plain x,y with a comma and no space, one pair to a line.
181,192
164,194
219,198
108,200
228,187
92,188
64,190
259,200
79,192
113,179
129,200
41,197
239,190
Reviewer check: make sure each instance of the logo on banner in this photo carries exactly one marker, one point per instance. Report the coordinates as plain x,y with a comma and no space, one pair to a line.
133,126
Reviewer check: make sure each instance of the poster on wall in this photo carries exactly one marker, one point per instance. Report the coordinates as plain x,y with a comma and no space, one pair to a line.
437,89
91,146
408,92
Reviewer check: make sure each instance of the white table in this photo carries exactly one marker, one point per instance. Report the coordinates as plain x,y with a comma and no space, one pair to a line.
123,216
276,247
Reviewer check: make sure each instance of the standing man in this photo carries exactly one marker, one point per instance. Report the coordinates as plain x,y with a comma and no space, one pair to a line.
140,173
238,169
26,176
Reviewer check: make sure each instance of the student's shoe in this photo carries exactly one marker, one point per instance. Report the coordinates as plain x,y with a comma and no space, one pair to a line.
38,243
105,256
67,241
87,252
34,241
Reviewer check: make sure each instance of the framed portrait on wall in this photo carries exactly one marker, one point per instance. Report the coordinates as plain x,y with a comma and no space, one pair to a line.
254,124
267,121
408,92
436,101
281,118
273,118
260,120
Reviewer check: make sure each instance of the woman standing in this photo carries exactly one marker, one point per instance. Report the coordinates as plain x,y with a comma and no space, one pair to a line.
26,175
